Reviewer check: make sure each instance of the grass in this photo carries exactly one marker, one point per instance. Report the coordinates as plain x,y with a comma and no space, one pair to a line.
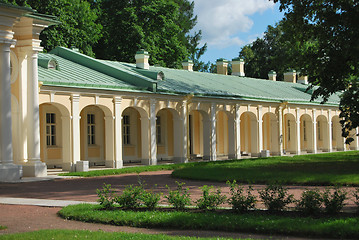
97,173
100,235
317,169
254,222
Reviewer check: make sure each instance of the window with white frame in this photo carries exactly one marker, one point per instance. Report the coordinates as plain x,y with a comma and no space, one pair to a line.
333,133
50,129
319,131
126,130
304,130
91,129
158,130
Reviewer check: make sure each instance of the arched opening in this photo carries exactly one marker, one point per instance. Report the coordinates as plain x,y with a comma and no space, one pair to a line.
306,133
135,138
249,134
55,148
337,139
322,134
290,133
270,133
199,135
168,135
92,135
225,135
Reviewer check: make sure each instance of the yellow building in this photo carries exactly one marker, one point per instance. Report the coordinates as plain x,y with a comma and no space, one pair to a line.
69,110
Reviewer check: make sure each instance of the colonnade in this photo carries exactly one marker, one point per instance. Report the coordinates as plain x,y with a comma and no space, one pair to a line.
179,129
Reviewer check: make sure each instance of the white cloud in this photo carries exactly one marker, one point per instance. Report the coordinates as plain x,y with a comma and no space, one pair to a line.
221,21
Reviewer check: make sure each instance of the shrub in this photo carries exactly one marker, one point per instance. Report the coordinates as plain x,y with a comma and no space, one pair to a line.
275,197
356,196
210,199
310,202
131,197
150,199
106,196
334,200
239,201
180,197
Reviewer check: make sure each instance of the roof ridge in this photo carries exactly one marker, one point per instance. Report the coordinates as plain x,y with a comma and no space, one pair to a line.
105,68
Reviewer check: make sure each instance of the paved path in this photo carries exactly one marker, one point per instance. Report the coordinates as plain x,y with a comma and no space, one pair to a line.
40,201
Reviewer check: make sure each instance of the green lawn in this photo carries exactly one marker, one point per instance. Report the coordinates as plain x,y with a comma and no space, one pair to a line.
254,222
73,234
316,169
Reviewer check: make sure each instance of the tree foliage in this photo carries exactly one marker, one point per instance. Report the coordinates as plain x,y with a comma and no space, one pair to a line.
332,56
159,26
78,26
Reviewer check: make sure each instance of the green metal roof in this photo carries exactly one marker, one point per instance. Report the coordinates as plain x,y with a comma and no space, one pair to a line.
79,70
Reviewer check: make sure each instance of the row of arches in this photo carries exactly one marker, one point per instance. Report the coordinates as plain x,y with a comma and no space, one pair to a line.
97,133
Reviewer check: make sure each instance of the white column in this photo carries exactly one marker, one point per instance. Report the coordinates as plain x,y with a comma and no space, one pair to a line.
109,147
118,132
297,125
314,131
330,138
185,129
238,132
8,171
260,131
66,143
356,137
34,167
213,156
232,144
153,143
280,130
22,57
75,111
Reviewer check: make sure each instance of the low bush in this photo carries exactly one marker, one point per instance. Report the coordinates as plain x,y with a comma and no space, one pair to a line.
131,197
334,200
210,199
150,199
275,197
106,196
179,198
238,200
310,202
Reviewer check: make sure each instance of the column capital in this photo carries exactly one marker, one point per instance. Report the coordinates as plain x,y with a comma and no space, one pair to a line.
117,100
75,97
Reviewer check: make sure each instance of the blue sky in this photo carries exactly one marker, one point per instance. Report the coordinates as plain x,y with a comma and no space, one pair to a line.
228,25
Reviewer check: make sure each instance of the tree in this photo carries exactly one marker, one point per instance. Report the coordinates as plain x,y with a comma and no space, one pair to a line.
78,26
159,26
332,56
272,52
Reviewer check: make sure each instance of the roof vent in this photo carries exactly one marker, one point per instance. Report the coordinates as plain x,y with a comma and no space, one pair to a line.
187,65
290,76
222,65
272,75
238,67
142,57
301,78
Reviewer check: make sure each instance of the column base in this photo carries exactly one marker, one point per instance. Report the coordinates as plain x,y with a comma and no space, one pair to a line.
180,160
34,169
10,172
118,164
68,167
82,166
110,163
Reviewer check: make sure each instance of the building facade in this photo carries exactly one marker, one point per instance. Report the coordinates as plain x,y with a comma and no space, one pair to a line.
68,109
